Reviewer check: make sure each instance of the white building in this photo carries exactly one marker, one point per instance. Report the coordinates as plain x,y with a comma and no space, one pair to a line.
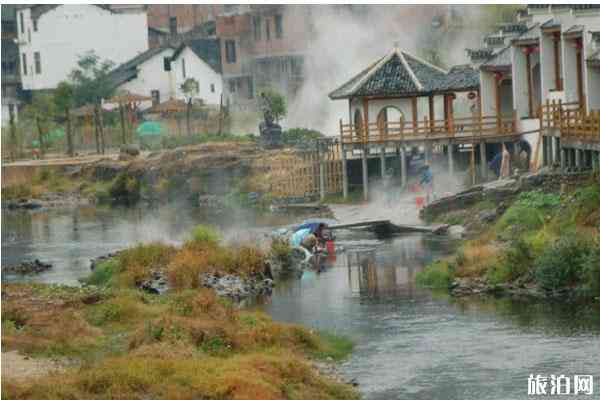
200,60
160,72
551,54
51,38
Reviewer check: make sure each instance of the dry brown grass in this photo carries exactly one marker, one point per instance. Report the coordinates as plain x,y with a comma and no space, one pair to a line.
194,258
266,376
475,257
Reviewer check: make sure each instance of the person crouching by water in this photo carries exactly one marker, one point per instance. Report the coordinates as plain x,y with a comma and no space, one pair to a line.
427,183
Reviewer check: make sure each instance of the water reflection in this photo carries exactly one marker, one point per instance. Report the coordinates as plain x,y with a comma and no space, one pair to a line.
69,238
417,344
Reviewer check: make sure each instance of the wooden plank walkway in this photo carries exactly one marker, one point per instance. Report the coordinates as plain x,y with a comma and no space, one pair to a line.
386,226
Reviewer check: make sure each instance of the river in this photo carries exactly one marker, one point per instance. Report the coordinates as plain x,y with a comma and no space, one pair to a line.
411,343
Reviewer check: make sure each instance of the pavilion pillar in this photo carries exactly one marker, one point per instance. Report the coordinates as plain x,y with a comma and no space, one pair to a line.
415,115
322,179
563,159
528,51
451,159
577,158
431,114
365,173
516,152
382,161
344,173
483,160
403,164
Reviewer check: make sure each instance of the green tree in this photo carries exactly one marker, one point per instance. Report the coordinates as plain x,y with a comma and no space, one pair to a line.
190,89
91,84
63,99
274,102
41,112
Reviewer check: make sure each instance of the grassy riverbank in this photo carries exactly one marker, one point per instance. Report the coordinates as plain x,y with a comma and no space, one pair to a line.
121,342
549,242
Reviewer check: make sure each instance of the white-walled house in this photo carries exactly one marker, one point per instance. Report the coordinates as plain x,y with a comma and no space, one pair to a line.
52,37
554,56
199,59
147,74
160,72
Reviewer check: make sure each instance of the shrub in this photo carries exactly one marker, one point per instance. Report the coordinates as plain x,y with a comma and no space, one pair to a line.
205,235
561,264
521,217
437,275
474,258
281,252
538,199
125,189
590,270
103,273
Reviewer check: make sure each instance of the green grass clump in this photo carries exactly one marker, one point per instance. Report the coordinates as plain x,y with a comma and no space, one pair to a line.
437,275
205,235
103,273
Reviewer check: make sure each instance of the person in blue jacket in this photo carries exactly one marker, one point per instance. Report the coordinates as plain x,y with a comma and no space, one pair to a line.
427,182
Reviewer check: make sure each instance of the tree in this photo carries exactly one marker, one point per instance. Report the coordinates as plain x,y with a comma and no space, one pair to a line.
275,103
63,99
91,84
190,89
41,111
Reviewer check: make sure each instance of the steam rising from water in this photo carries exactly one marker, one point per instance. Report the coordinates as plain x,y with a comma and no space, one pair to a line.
347,39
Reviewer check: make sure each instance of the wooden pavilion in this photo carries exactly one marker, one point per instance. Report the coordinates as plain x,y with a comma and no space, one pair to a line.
392,106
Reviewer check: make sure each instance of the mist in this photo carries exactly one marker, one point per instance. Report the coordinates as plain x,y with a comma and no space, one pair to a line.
347,39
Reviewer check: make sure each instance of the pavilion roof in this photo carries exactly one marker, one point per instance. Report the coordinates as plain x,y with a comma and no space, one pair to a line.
401,74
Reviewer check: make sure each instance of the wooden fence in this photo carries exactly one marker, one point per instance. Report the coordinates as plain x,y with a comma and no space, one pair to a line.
296,174
572,121
468,127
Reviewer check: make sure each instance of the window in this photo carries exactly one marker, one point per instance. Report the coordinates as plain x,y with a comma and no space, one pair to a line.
155,97
250,88
183,67
256,21
167,64
35,25
232,85
38,62
268,28
230,56
212,87
8,67
28,35
22,23
24,64
278,26
173,25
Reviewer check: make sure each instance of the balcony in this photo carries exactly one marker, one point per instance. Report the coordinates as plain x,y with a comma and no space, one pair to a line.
462,129
571,121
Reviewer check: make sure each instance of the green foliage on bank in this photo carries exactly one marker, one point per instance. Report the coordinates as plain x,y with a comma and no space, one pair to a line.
437,275
548,240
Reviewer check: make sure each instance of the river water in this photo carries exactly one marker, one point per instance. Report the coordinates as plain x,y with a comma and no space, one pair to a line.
411,343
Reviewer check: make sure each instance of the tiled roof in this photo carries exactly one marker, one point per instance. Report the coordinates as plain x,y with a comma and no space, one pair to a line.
551,23
209,50
402,74
501,59
37,10
574,29
533,33
128,70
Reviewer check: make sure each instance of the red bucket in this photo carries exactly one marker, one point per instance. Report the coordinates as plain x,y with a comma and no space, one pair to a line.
330,245
420,201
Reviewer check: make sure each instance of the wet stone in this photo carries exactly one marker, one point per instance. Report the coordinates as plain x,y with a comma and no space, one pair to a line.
27,267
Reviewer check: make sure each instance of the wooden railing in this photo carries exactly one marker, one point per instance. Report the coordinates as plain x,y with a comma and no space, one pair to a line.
469,127
571,120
